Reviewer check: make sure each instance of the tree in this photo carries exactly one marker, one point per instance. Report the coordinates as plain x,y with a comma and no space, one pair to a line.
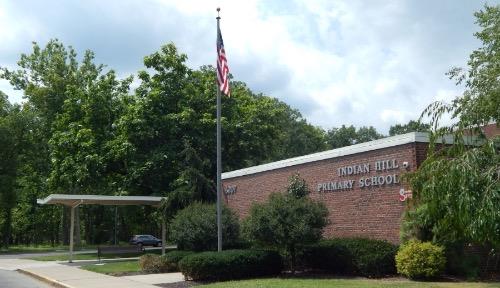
303,138
73,107
175,105
286,222
412,126
8,167
341,137
366,134
348,135
82,132
83,128
5,105
191,185
43,76
456,191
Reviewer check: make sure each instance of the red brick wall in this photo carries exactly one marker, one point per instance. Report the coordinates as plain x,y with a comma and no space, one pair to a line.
491,130
373,212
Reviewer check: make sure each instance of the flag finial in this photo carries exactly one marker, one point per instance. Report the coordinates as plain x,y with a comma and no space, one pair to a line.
218,10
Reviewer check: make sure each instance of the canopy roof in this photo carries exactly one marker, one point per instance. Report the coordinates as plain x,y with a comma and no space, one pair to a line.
74,200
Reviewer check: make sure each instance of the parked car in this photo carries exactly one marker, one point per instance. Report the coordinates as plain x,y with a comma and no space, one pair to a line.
145,240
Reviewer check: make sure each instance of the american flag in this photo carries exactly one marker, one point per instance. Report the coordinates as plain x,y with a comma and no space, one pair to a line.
222,68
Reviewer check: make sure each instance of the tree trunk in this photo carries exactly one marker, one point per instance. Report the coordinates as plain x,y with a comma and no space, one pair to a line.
6,229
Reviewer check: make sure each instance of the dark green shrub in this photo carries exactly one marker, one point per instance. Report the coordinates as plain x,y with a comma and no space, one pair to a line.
152,263
231,264
420,260
331,257
195,227
286,222
353,256
172,259
460,263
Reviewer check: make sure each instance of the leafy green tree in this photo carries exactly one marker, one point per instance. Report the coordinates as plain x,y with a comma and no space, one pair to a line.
341,137
286,222
83,128
5,105
366,134
8,167
43,76
83,133
457,189
73,106
348,135
303,138
411,126
175,104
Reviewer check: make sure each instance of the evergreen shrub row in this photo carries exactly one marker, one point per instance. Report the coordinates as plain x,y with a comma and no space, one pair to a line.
231,264
352,256
172,259
152,263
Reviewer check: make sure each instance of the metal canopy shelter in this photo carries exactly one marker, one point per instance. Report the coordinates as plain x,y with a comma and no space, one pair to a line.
74,201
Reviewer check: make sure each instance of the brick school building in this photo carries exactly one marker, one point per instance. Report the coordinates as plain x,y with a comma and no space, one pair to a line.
360,184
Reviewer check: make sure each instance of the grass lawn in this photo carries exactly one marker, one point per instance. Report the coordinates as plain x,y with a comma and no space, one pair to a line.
90,256
354,283
114,268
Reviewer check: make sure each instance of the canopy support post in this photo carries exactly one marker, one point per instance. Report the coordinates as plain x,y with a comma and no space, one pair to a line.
71,234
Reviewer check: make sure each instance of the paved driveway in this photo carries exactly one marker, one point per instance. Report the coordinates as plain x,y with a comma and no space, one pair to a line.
36,254
13,279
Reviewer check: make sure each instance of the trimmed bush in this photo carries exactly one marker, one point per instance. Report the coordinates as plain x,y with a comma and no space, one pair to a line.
195,227
172,259
353,256
286,222
231,264
420,260
152,263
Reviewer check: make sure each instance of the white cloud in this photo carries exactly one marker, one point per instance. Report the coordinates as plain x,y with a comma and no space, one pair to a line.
445,95
394,116
338,62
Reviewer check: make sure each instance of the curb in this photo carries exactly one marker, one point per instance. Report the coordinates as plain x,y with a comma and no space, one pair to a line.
50,281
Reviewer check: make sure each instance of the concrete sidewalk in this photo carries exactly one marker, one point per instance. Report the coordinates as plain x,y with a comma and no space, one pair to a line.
160,278
72,277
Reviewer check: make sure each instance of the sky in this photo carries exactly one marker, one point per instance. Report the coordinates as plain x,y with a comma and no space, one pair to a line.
353,62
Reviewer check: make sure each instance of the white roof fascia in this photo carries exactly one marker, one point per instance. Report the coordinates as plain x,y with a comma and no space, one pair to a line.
339,152
95,199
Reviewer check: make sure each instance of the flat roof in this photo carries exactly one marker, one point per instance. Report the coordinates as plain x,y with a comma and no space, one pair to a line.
348,150
72,200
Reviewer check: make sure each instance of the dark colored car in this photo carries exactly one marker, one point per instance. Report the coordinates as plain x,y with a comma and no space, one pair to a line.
145,240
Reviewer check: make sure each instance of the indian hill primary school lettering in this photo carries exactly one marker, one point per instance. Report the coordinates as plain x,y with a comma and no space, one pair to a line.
362,169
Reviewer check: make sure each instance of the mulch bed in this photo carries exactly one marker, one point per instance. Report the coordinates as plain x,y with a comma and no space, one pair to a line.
183,284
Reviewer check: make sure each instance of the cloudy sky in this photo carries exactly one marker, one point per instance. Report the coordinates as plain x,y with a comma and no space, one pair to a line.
339,62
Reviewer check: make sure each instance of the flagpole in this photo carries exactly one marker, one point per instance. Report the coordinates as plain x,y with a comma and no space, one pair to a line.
219,161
